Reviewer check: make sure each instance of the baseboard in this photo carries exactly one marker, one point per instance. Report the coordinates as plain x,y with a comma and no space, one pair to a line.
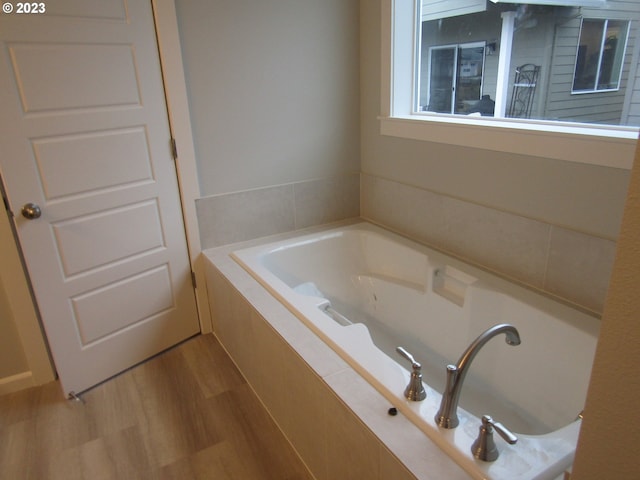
16,382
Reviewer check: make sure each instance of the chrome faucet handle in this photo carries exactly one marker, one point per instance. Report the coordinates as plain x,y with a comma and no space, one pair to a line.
484,448
415,390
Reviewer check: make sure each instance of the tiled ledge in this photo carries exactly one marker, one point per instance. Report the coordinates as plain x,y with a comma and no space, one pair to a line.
572,266
240,216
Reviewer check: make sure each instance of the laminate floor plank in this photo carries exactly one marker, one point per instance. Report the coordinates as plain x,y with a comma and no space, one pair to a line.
185,414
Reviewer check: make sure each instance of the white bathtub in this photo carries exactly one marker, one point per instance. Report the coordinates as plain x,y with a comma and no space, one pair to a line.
385,291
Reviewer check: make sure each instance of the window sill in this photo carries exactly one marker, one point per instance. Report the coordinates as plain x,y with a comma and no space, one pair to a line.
608,147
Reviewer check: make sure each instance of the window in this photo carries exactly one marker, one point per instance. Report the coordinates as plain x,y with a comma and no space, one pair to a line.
600,55
505,76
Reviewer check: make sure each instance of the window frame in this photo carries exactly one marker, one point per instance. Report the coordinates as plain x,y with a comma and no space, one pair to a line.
603,145
605,25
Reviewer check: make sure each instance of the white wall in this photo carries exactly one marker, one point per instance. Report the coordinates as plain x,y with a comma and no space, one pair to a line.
273,90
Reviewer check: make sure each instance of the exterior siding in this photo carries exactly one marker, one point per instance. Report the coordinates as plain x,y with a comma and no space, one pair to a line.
597,107
631,112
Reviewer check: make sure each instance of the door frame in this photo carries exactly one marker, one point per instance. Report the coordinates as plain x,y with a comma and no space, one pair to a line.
175,87
14,276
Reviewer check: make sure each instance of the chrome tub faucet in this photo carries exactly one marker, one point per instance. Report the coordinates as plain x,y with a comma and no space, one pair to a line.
447,416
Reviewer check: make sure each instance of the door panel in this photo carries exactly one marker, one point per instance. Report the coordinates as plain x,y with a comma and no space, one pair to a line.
99,160
76,238
86,137
112,307
75,76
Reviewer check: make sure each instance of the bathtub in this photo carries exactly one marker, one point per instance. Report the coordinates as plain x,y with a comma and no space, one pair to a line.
364,291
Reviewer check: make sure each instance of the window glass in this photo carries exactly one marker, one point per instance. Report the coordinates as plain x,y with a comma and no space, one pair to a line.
600,55
453,81
526,61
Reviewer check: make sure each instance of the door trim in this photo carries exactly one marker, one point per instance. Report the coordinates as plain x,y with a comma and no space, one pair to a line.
166,21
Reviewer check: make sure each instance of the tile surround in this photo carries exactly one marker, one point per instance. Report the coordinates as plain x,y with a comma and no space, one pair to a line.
570,265
239,216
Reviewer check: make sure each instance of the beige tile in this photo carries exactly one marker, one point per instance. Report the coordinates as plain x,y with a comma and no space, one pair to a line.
250,429
303,412
403,442
579,267
234,217
412,211
506,243
266,370
327,200
391,467
352,450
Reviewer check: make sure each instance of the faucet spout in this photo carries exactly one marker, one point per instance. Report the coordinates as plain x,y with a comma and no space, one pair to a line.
447,416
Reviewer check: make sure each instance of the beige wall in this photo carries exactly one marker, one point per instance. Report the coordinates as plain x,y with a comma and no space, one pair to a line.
608,445
24,359
273,90
274,99
12,358
581,197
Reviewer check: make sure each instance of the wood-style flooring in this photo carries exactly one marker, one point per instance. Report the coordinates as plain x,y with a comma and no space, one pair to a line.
185,414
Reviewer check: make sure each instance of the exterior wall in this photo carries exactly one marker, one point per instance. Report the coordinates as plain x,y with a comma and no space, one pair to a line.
534,46
631,113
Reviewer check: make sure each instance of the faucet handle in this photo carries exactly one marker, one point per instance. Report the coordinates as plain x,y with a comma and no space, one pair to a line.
484,448
415,390
409,357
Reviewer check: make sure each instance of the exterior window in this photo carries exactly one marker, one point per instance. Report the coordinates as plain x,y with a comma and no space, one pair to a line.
527,60
503,75
600,55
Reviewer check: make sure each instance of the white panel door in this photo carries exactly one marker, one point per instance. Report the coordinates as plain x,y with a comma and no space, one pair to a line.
85,137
